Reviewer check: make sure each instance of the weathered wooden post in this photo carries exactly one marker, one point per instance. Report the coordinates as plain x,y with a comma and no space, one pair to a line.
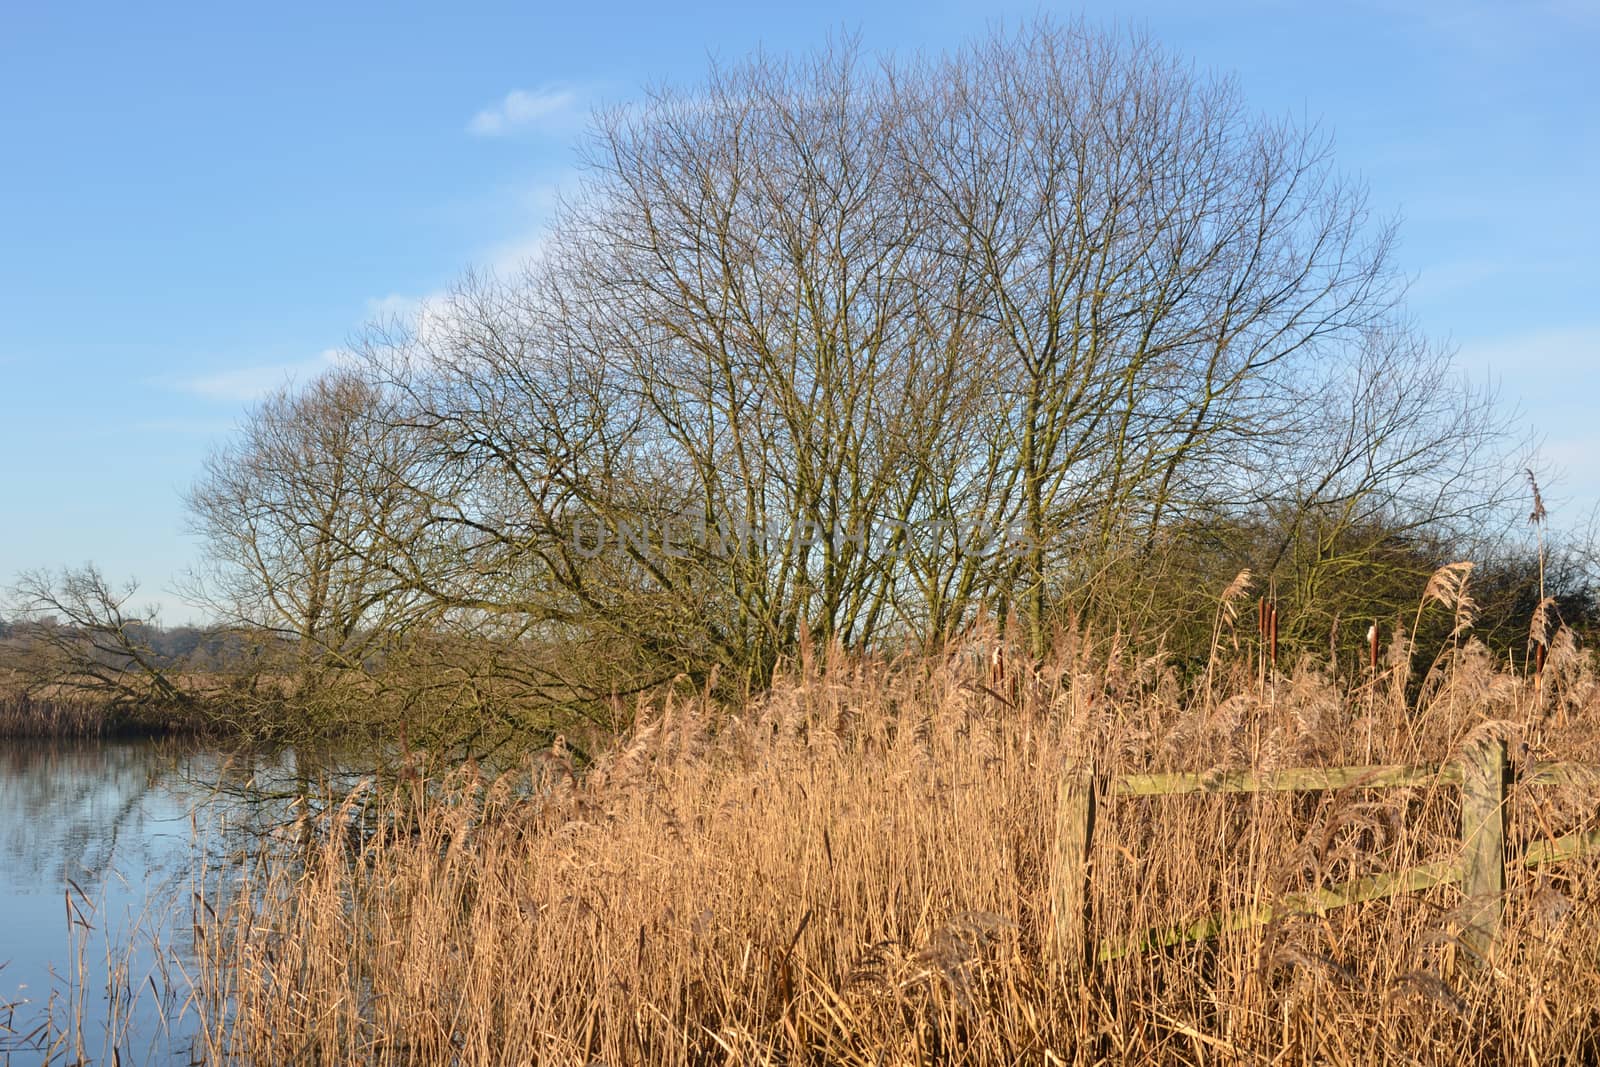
1069,893
1483,841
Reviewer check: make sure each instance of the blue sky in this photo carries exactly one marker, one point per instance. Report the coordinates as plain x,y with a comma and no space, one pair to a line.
198,202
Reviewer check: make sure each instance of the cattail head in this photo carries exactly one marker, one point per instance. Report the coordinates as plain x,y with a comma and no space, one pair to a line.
1272,631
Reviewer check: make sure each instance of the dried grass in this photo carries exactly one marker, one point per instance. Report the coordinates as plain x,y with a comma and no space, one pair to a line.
855,870
24,716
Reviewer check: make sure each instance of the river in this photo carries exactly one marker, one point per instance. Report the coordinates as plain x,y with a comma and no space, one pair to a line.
99,843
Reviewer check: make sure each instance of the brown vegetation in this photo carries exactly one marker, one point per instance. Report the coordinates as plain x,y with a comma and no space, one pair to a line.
856,869
57,710
22,715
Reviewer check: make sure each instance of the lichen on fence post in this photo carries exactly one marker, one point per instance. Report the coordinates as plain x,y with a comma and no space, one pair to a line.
1069,892
1483,842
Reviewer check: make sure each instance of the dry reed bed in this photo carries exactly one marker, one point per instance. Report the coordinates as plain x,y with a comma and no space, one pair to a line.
24,716
71,712
857,871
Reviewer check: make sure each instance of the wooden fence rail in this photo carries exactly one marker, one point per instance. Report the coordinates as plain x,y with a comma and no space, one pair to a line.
1481,772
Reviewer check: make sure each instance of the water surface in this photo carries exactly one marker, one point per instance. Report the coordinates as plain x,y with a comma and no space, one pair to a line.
99,842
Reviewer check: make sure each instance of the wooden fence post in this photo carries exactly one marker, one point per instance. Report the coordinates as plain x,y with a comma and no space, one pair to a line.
1069,894
1483,841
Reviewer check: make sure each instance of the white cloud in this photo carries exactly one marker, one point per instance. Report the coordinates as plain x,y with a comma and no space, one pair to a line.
396,307
527,224
522,108
248,384
431,320
510,258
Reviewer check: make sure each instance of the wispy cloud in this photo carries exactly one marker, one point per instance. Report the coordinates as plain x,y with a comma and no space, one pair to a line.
429,320
525,217
528,231
247,384
523,108
397,307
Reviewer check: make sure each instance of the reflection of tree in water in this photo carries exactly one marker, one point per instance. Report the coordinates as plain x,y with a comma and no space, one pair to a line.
71,810
84,810
114,817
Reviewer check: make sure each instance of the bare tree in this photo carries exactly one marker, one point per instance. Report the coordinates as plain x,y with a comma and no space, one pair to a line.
846,349
295,512
79,636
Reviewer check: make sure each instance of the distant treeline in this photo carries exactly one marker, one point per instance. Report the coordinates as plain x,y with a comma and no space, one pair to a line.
189,647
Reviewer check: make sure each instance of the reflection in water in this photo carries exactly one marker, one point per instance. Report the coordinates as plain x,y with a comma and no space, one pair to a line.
67,808
113,819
